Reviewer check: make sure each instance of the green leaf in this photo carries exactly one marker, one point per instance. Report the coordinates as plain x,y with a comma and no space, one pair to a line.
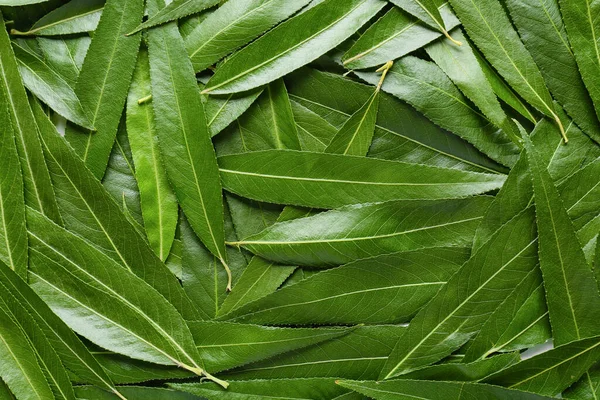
175,10
320,299
284,177
587,387
90,212
74,355
104,80
428,390
83,285
292,44
234,24
571,292
463,305
426,11
314,132
134,392
76,16
259,279
491,30
225,345
542,30
354,232
65,55
275,389
36,179
465,372
184,139
393,36
401,133
358,355
159,204
583,29
14,3
222,111
13,232
424,85
50,87
551,372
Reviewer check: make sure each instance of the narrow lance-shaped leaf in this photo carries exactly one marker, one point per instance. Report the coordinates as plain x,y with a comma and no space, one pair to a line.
76,16
234,24
428,390
104,80
366,230
394,35
36,179
92,213
13,232
582,24
587,387
292,44
409,280
314,132
67,345
223,110
50,87
159,204
65,55
424,85
81,285
571,291
175,10
553,371
331,180
184,138
463,305
542,30
427,11
491,30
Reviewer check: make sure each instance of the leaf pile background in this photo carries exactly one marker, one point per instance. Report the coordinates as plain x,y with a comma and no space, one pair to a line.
307,199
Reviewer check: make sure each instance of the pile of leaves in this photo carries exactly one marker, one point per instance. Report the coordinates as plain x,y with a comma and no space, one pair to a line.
299,199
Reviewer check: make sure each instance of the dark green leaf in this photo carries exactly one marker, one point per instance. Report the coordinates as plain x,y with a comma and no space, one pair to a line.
176,9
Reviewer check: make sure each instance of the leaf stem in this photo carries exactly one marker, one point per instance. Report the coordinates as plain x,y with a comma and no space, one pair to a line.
456,42
118,394
561,127
201,372
229,278
16,32
384,70
145,99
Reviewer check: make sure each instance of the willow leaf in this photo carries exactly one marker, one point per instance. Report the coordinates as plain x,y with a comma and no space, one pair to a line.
587,387
223,110
465,372
551,372
14,3
65,55
234,24
104,80
428,390
321,299
359,354
292,44
81,285
184,138
354,232
542,30
13,232
314,132
285,176
50,87
134,392
74,355
225,345
159,204
401,132
491,30
394,35
463,304
583,28
424,85
426,11
571,292
90,212
175,10
36,179
259,279
76,16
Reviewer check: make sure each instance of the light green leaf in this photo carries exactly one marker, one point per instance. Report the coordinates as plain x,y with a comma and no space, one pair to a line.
428,390
292,44
184,139
407,280
104,81
50,87
76,16
285,176
159,204
426,11
65,55
463,305
234,24
175,10
394,35
354,232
